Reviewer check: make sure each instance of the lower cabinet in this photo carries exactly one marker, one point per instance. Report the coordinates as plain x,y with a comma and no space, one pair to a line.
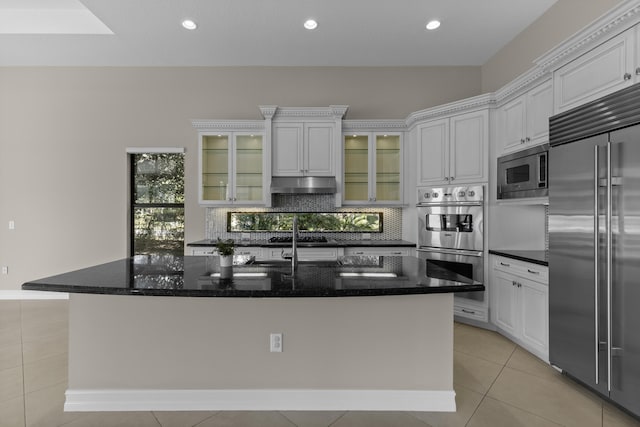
379,251
520,304
304,254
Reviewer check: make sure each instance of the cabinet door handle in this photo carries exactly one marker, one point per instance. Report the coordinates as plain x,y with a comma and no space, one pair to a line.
521,140
533,271
452,178
513,283
627,76
528,139
638,71
505,264
446,178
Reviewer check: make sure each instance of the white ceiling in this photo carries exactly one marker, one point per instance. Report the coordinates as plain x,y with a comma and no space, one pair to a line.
259,32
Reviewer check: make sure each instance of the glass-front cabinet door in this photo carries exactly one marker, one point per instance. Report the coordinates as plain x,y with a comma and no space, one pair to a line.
388,169
215,159
248,169
372,169
231,169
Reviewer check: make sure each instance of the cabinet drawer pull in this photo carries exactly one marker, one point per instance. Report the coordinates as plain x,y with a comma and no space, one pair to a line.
359,253
505,264
533,271
468,311
396,253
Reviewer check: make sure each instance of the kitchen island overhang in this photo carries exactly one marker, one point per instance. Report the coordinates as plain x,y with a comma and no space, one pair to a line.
378,351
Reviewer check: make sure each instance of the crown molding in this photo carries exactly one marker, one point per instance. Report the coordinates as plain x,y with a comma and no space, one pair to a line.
620,18
457,107
374,125
333,112
205,124
521,84
268,111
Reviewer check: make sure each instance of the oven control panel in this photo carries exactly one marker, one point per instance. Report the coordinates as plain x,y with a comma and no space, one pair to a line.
472,193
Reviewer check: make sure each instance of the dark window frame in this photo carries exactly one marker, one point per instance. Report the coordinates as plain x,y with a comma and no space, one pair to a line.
133,205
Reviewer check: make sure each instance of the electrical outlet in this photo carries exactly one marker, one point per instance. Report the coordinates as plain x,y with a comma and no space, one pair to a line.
275,343
12,225
5,269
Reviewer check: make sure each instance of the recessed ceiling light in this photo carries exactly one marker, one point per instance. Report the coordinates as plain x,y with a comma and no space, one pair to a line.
432,25
189,24
310,24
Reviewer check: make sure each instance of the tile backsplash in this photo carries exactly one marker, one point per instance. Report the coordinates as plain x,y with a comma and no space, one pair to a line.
216,218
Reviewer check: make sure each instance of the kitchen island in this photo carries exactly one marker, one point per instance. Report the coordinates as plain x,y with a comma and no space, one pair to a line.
182,333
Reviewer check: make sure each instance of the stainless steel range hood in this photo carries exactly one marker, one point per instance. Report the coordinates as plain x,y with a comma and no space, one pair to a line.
303,184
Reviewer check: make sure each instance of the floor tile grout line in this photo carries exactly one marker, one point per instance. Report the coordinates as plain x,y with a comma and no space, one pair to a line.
338,419
489,388
512,405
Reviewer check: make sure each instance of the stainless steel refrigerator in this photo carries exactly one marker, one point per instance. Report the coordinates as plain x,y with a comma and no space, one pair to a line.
594,246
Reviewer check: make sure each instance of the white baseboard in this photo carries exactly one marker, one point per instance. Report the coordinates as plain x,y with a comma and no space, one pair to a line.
260,400
27,295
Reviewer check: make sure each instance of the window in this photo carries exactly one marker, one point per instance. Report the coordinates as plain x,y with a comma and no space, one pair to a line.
157,203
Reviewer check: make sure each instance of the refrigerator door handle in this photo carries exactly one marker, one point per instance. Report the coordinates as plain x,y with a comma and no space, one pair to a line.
596,248
609,264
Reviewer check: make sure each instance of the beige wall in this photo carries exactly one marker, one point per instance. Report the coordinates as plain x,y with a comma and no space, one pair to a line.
63,134
561,21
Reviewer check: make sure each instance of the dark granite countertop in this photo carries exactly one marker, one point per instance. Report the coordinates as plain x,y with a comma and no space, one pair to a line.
540,257
332,243
200,276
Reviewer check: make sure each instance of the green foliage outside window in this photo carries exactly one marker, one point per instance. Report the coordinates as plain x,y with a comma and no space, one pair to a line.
355,222
158,203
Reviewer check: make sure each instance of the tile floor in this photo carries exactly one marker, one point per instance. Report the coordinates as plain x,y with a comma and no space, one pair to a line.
497,384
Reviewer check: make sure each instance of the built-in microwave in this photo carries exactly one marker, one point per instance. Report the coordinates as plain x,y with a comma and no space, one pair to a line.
524,173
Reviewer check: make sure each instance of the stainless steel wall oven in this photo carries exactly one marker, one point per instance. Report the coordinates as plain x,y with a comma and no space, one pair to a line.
451,233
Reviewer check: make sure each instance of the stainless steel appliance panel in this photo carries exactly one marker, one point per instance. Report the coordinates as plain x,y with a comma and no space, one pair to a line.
574,198
625,310
523,174
442,263
451,226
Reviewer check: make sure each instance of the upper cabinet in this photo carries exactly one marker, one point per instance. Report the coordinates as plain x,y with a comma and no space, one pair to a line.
608,67
304,149
373,168
306,141
524,121
231,168
454,150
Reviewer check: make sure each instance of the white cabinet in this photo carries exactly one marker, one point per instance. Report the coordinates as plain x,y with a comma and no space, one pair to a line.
454,150
378,251
603,70
304,254
373,168
524,121
303,149
520,303
231,168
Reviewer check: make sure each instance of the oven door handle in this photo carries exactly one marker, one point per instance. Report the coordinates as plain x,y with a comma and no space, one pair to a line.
448,204
450,251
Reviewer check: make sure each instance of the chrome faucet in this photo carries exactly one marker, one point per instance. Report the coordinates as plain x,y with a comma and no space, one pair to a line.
294,246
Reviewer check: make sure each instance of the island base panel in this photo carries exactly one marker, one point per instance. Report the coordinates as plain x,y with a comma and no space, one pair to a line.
164,353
